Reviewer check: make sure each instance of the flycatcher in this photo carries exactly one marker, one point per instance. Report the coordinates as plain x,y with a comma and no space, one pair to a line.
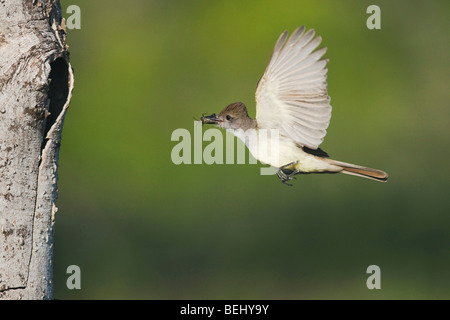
292,100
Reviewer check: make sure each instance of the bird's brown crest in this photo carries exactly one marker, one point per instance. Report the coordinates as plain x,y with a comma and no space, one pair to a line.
236,109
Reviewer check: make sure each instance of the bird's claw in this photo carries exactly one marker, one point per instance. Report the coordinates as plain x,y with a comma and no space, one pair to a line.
287,177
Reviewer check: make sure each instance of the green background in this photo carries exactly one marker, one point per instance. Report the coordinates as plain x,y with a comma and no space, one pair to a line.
141,227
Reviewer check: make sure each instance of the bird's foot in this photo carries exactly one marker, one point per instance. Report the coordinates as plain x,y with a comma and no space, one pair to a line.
284,177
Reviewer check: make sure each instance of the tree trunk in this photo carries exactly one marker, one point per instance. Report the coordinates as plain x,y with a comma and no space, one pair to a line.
36,82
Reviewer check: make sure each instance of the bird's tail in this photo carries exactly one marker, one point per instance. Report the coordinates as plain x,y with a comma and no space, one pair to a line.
359,171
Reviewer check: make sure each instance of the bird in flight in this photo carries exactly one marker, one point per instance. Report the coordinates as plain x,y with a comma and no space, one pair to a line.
291,100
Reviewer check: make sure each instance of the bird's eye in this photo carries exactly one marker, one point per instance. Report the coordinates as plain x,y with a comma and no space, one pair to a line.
228,117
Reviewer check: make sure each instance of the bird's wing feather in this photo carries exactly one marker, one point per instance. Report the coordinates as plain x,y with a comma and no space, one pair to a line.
292,93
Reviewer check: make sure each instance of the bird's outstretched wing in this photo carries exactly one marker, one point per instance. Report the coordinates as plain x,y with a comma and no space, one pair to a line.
292,93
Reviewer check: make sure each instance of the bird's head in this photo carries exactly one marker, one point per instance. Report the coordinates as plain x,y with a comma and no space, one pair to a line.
233,116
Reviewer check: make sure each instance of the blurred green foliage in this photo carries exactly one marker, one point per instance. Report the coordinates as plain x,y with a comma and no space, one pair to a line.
141,227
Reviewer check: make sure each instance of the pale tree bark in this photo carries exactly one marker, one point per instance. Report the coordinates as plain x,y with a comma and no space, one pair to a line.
36,82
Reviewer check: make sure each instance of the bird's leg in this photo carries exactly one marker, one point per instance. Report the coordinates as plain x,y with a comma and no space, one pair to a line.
286,177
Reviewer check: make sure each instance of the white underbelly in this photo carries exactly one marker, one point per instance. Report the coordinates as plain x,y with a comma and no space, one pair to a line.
278,151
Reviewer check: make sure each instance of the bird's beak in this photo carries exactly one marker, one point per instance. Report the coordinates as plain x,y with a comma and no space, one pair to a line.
212,119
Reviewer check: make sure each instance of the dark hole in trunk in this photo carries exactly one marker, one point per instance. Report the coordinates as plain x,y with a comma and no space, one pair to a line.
59,89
